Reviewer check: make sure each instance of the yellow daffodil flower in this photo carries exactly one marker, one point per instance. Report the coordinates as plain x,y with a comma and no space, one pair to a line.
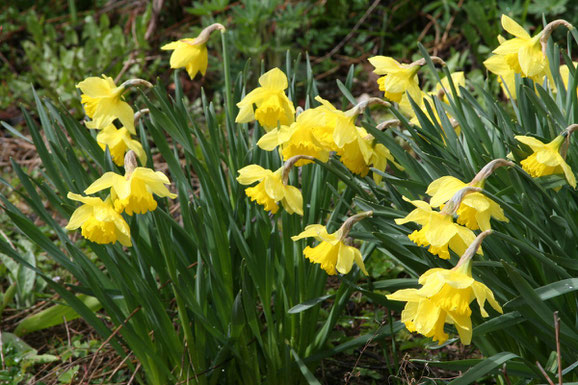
398,78
364,152
520,55
273,106
270,189
119,142
475,209
332,254
546,159
444,297
438,231
98,220
296,139
191,54
103,103
338,127
498,65
133,193
357,155
524,52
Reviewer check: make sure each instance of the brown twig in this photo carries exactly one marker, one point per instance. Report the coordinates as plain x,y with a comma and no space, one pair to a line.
544,373
350,374
134,374
450,23
157,6
67,336
118,367
109,338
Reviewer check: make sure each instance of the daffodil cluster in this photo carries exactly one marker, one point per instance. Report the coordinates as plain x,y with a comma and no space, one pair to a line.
473,209
101,221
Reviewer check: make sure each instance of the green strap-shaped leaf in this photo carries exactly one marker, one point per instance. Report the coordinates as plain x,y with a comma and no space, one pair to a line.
485,367
54,315
311,380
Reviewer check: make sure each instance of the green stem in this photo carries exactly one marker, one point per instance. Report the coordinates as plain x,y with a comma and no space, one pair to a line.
228,95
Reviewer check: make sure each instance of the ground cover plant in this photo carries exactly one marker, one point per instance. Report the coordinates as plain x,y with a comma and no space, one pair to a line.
214,278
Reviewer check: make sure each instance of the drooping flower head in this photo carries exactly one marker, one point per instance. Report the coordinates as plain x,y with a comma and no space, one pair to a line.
438,231
273,106
119,142
475,209
398,78
99,221
103,103
523,54
364,152
357,154
272,188
297,139
191,54
499,65
546,158
133,192
445,297
337,128
332,253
